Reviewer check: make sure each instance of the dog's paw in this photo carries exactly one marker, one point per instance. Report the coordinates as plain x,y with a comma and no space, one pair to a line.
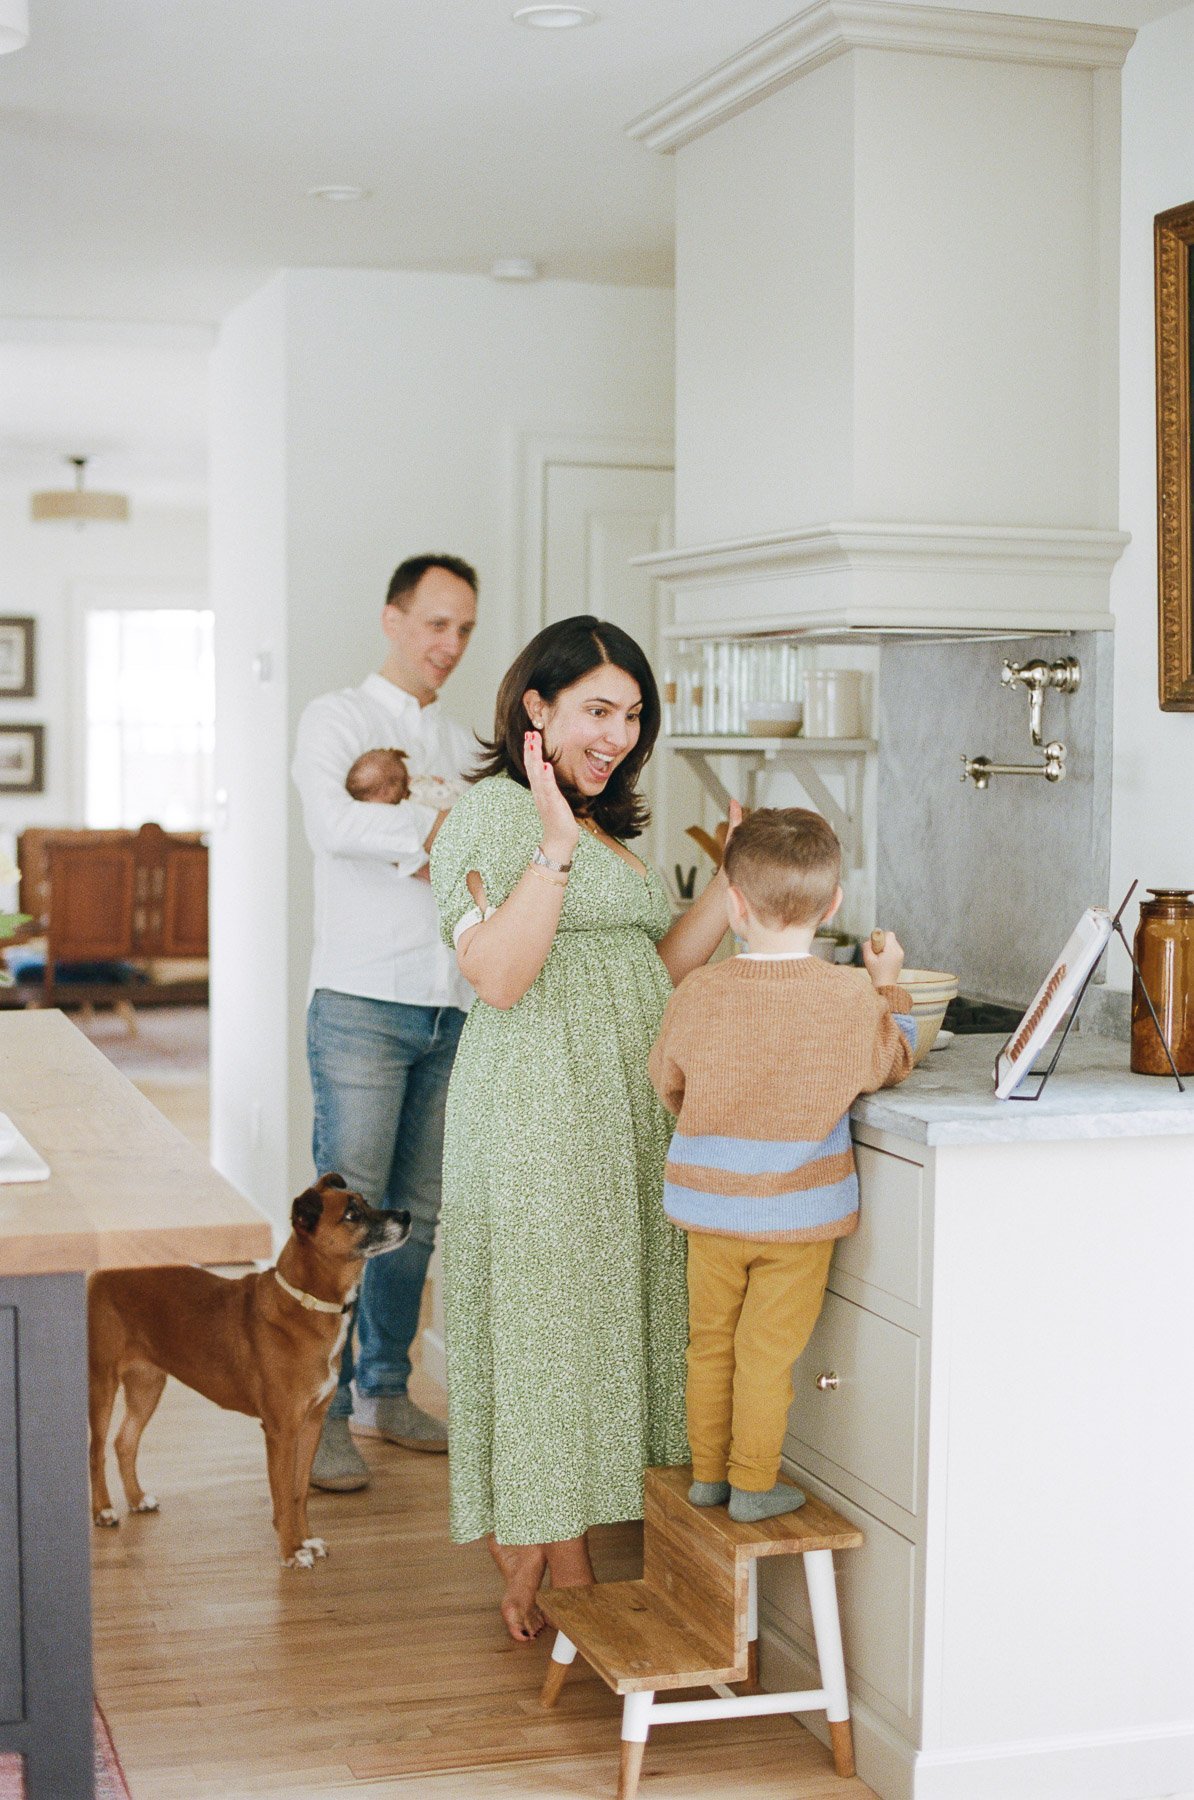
303,1558
316,1546
148,1503
106,1516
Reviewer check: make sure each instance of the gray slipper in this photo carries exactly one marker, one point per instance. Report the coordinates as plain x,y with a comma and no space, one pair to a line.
748,1508
339,1467
709,1493
396,1418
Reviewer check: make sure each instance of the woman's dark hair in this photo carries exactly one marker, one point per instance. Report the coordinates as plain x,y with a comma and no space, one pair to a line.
560,655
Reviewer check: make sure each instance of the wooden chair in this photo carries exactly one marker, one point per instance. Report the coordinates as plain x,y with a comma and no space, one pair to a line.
692,1621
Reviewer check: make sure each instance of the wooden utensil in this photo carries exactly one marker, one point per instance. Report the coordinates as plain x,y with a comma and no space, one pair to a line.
708,844
878,940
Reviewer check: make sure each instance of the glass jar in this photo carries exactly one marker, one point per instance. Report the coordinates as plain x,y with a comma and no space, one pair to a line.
1164,949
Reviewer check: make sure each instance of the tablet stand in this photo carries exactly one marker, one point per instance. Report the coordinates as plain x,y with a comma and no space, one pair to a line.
1117,929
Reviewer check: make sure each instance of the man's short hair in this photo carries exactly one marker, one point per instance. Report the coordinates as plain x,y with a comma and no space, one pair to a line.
786,863
408,574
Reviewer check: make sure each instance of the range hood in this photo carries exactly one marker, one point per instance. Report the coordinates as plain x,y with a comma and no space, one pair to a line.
897,244
869,581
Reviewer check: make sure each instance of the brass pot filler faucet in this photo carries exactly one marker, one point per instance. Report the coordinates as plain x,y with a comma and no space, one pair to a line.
1065,675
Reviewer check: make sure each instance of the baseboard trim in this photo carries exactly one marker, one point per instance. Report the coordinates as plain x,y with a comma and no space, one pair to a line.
1150,1764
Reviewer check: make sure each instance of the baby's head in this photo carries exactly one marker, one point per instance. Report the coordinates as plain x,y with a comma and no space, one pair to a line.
785,864
379,775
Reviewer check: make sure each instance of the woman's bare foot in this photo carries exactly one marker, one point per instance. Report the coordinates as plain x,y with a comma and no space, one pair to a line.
569,1562
522,1567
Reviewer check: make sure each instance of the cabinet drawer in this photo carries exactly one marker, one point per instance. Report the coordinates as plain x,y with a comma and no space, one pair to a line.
867,1423
876,1587
885,1251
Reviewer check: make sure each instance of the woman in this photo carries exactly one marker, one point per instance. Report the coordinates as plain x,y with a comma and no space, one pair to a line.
564,1284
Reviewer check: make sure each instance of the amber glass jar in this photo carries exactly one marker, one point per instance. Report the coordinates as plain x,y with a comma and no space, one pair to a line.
1165,957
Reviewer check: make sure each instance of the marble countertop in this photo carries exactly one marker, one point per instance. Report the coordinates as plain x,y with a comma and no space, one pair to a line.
1091,1094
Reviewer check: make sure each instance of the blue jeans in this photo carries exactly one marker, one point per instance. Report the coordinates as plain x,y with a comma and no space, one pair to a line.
379,1075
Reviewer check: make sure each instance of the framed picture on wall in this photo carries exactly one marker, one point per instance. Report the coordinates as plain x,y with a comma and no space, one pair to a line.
22,759
17,669
1173,240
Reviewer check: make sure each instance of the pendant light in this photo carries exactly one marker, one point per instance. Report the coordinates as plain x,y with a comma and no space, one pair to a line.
80,505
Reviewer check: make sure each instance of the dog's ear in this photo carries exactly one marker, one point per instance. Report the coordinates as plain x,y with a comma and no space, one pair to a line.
331,1180
307,1211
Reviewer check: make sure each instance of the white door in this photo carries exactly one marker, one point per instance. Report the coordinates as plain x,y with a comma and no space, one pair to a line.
596,516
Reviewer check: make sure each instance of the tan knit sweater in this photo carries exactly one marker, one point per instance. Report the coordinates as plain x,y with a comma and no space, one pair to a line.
762,1061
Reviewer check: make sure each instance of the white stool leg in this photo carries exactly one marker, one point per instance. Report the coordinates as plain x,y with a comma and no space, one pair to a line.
636,1723
563,1655
827,1629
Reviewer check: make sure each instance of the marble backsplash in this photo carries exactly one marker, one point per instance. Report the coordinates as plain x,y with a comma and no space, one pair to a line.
989,885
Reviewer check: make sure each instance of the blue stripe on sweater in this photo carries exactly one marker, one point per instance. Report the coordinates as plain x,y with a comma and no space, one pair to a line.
755,1156
803,1210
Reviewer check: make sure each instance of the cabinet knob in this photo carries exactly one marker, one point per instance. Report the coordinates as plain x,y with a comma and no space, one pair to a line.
828,1381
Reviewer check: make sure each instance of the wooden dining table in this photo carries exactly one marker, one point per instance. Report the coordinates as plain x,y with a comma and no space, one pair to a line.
125,1190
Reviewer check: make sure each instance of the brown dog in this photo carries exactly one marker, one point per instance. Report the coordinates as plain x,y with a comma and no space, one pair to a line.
266,1344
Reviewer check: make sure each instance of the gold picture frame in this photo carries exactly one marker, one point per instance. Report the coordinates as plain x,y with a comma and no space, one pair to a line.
1173,242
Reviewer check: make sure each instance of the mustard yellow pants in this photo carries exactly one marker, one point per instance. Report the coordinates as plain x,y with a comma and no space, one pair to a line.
751,1309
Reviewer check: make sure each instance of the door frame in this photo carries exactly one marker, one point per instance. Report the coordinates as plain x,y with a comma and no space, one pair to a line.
536,453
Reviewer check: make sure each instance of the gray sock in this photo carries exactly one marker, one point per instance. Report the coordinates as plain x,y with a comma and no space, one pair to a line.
709,1493
748,1508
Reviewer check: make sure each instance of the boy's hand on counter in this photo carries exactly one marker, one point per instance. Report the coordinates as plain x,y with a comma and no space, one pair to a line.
884,966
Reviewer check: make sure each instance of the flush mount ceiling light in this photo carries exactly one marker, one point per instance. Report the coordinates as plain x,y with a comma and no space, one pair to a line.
78,504
14,25
515,268
554,18
339,191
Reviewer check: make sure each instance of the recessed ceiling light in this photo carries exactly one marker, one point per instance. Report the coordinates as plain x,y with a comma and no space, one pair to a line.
554,18
14,25
515,268
338,191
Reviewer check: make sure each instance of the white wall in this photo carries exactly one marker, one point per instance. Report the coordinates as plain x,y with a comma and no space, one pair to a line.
249,963
1153,795
44,568
361,416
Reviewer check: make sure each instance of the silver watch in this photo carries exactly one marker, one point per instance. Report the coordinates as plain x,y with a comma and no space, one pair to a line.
547,862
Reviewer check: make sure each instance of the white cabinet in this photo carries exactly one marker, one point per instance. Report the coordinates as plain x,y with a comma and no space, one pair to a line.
1013,1347
855,1437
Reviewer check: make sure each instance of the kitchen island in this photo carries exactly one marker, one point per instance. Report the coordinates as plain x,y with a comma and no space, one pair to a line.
125,1190
999,1392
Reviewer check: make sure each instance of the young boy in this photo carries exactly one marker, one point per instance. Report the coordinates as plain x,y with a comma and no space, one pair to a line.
383,777
762,1057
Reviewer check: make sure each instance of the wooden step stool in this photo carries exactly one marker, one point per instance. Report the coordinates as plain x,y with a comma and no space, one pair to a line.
692,1621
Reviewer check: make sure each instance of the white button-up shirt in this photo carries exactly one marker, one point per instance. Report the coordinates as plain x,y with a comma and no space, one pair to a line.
376,928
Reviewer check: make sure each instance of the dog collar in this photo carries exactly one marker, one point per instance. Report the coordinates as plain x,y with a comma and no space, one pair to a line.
309,1300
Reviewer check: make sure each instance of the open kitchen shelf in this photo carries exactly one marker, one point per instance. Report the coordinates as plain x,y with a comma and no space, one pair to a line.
799,754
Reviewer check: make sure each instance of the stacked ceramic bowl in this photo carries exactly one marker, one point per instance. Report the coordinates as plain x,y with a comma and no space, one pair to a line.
931,991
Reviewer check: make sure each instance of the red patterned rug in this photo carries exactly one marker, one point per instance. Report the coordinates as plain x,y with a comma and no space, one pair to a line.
110,1783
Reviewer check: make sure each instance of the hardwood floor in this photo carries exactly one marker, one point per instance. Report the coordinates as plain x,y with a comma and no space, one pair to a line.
382,1674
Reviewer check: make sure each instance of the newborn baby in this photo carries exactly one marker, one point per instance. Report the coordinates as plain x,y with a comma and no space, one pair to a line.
383,777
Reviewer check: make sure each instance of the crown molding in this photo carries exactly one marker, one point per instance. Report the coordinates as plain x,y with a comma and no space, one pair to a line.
1008,547
832,27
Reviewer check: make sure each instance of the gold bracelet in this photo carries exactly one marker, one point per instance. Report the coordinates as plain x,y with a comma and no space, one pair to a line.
560,881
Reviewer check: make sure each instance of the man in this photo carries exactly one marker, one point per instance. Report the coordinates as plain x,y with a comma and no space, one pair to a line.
387,1001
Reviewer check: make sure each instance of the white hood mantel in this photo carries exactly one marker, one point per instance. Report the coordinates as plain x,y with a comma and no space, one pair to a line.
870,578
897,288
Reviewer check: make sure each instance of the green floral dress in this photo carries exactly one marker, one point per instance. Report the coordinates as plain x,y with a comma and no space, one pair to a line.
564,1287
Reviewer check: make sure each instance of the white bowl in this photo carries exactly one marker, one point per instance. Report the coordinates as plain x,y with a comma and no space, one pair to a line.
8,1134
773,718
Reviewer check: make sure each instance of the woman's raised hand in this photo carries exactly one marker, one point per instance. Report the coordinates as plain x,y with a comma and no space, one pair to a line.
560,829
